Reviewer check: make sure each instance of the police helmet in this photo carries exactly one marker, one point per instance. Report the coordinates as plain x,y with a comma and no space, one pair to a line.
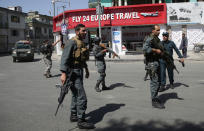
97,40
165,34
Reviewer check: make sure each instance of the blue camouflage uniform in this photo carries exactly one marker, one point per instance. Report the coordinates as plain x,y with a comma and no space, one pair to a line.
152,60
68,62
100,63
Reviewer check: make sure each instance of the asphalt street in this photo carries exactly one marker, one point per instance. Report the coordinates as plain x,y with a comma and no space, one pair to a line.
28,100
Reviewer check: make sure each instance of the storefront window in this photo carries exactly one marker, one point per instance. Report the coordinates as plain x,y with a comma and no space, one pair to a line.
133,37
177,1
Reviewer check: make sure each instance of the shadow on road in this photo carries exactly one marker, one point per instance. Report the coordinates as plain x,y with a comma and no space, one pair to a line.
4,54
98,114
165,97
111,87
57,75
178,125
28,61
177,84
36,60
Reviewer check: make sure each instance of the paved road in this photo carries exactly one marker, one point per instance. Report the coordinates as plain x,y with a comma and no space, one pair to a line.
28,100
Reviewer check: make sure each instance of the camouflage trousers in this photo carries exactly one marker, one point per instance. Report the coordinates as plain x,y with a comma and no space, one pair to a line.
153,68
48,62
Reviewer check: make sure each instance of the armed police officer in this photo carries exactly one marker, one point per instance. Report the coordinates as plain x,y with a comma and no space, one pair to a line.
169,46
46,50
100,53
152,55
73,59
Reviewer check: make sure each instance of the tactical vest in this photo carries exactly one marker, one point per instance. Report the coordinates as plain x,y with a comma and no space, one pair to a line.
81,53
155,43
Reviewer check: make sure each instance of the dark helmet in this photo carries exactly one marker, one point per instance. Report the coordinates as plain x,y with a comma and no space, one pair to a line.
165,34
97,39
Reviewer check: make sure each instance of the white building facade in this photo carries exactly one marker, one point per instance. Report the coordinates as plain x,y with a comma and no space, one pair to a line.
12,28
188,18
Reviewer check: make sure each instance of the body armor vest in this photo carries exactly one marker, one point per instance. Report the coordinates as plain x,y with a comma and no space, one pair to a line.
81,53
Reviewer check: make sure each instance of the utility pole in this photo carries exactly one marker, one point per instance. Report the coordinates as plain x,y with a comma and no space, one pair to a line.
54,1
63,14
99,12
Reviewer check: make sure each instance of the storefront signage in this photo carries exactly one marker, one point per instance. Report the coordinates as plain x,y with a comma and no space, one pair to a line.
185,13
146,14
116,39
64,29
118,16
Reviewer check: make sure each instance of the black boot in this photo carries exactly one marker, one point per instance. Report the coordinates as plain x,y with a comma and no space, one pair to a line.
156,103
73,117
162,88
48,75
171,86
83,124
97,87
104,87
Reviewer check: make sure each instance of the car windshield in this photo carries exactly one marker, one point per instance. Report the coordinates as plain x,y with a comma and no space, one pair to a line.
22,46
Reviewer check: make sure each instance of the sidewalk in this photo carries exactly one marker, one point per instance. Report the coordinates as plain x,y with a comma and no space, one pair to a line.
140,57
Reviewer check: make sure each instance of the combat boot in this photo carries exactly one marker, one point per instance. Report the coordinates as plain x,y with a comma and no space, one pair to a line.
162,88
48,75
156,103
83,124
104,87
97,87
171,86
73,117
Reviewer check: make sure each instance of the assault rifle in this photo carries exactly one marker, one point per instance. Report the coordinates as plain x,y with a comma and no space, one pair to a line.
165,56
109,50
64,90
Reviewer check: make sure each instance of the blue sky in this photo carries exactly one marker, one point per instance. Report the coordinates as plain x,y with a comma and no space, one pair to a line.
44,6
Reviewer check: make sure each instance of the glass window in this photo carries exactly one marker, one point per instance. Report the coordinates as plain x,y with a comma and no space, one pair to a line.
14,33
22,46
15,19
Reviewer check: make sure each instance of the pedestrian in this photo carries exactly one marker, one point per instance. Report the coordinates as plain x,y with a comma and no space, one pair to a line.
169,46
152,55
100,53
184,45
110,46
74,57
47,49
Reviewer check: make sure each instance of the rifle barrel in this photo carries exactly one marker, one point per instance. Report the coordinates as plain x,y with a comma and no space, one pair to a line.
57,109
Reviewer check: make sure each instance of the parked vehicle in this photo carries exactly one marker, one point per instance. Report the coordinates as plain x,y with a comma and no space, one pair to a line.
198,47
23,51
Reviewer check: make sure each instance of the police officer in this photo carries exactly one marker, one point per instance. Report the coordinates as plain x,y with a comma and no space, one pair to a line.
100,53
169,46
152,55
74,58
47,57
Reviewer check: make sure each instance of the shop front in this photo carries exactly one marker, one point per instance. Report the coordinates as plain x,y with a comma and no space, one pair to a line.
121,26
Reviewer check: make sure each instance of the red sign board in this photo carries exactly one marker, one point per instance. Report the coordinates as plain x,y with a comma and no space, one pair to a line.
146,14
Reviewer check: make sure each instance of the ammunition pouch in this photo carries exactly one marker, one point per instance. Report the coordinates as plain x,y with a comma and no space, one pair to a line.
81,54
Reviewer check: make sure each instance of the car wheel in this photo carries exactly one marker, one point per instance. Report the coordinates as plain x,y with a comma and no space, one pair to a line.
197,49
32,59
14,59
